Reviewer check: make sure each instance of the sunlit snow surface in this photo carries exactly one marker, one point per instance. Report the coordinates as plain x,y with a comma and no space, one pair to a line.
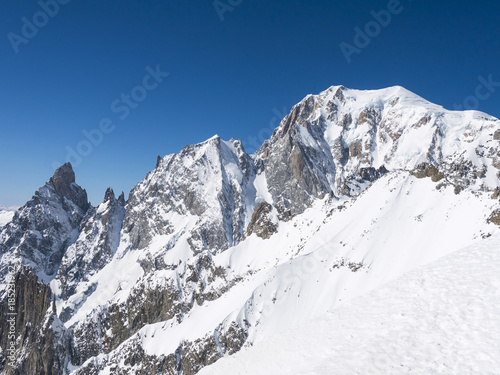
442,318
5,216
303,272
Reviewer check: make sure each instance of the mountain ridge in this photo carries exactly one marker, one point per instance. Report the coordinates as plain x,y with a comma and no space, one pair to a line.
214,248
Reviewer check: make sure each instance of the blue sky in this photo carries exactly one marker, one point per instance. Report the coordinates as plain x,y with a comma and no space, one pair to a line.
231,71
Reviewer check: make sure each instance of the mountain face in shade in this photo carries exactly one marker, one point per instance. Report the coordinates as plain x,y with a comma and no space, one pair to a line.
216,249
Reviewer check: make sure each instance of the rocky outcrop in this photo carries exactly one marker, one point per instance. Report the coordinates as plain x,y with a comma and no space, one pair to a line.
424,170
151,301
496,193
64,185
264,221
494,218
120,321
371,174
188,359
31,336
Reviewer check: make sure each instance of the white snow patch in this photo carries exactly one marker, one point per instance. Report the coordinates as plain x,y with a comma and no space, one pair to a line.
260,184
441,318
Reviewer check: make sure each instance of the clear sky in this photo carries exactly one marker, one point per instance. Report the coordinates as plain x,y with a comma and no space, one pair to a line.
234,66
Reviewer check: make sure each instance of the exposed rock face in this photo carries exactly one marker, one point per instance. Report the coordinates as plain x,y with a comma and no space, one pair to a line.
494,218
148,303
297,161
40,343
496,193
63,181
209,181
263,223
120,321
45,226
189,357
371,174
426,170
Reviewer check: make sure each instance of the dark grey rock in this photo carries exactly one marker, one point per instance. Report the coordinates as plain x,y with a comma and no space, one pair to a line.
41,341
63,181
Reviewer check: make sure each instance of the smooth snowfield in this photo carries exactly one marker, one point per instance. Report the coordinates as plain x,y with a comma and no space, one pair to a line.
442,318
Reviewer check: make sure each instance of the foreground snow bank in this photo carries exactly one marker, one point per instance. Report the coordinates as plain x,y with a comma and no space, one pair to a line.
442,318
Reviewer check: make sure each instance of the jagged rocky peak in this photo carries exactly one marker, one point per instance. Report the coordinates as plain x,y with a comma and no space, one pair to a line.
121,198
208,181
62,179
109,195
45,226
64,184
264,222
297,161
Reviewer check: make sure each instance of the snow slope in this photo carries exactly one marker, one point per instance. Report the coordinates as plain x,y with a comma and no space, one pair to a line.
334,252
439,319
6,216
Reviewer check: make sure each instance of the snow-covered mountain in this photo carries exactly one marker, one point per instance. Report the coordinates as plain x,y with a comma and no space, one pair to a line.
41,231
216,250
